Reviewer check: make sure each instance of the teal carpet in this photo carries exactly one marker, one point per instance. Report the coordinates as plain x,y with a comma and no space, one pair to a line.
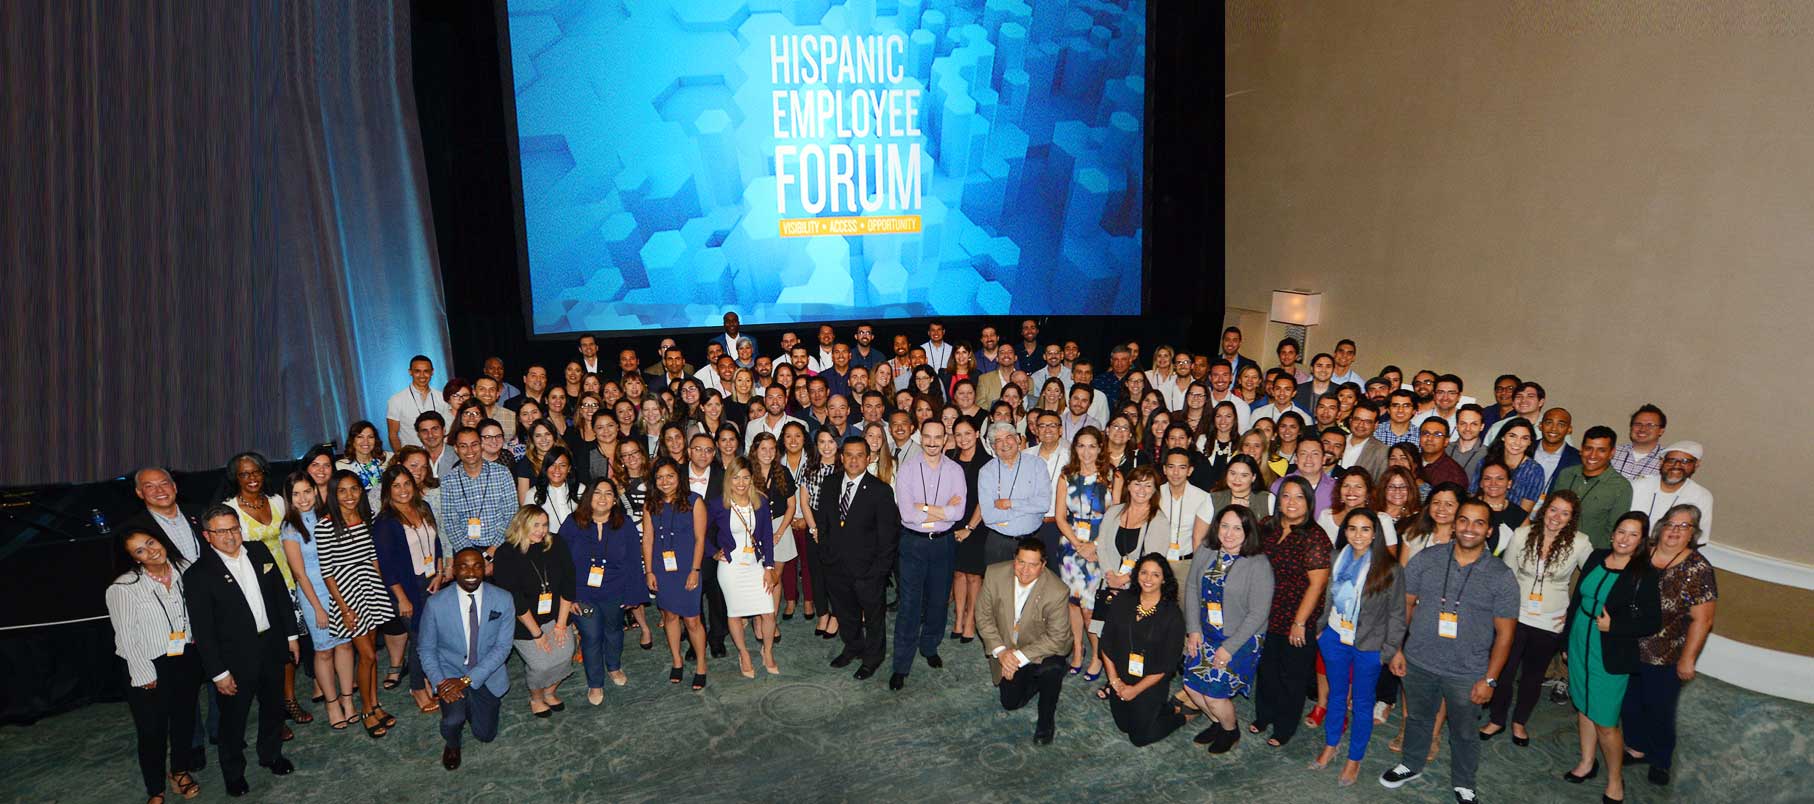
815,734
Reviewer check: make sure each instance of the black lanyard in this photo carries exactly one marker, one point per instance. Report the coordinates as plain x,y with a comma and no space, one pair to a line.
1462,590
1011,482
176,585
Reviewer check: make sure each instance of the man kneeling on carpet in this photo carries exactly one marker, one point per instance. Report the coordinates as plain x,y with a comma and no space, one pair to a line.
465,638
1023,617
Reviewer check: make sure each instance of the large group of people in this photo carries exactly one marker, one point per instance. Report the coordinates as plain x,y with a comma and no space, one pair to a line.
1301,534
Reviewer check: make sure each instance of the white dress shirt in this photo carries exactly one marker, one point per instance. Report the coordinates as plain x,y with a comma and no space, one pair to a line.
470,601
1060,455
1243,411
245,576
938,355
1021,593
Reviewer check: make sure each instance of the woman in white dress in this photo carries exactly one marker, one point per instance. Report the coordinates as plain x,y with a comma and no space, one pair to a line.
745,551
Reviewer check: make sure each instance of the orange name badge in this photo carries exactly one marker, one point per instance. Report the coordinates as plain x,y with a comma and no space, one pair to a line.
1448,624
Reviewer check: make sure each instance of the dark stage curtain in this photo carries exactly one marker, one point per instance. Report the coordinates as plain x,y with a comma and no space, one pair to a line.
216,235
216,239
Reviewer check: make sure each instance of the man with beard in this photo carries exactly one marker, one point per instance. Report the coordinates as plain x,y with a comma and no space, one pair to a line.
465,640
1656,493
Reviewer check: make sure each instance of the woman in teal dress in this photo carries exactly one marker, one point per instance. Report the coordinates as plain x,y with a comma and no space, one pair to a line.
1615,605
1090,485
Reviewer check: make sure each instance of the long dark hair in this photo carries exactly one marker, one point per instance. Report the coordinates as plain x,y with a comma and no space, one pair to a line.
123,560
1640,558
659,502
353,432
1251,543
292,518
417,505
582,514
1496,452
1168,585
1380,565
1565,538
1276,522
541,478
1425,525
332,514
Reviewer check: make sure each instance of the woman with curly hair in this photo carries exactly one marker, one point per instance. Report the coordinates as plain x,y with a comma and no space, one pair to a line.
1142,642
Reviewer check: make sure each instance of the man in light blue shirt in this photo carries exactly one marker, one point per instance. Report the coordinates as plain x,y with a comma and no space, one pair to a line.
1013,495
478,497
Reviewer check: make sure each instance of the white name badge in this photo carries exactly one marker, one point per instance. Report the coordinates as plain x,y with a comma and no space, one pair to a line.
1344,628
545,603
1172,553
1127,564
1082,529
472,528
1215,614
1534,603
1136,664
1448,625
595,577
667,561
178,641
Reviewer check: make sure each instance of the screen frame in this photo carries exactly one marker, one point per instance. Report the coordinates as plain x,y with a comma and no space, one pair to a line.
520,225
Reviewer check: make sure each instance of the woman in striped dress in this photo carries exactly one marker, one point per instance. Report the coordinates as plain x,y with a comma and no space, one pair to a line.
349,568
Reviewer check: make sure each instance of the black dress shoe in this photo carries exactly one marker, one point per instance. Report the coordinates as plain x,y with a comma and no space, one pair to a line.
1571,778
828,635
1485,736
238,787
934,661
1208,735
843,660
1659,776
1043,737
1521,742
280,767
718,652
450,758
863,673
897,681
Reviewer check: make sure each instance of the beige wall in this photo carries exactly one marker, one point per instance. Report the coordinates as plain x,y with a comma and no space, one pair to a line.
1616,200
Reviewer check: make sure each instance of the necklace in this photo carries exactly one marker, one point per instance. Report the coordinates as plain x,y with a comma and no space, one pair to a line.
1144,611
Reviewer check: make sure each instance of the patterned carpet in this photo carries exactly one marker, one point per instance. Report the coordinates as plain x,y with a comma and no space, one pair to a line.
815,734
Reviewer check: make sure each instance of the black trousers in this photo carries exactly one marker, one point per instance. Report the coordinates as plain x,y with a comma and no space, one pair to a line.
717,623
1043,679
1532,650
164,718
1149,717
862,620
1284,671
814,569
477,707
265,687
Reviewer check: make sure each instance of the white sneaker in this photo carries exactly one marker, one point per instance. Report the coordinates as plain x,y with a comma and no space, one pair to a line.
1380,711
1464,795
1397,777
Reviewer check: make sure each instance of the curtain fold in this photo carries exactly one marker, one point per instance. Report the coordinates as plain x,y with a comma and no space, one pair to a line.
217,235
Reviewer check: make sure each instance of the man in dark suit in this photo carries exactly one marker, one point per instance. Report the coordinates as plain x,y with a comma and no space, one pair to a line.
245,631
704,477
465,638
162,513
858,531
1231,351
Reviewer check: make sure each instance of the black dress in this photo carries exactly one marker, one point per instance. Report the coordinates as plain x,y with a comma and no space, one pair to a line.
1159,639
969,556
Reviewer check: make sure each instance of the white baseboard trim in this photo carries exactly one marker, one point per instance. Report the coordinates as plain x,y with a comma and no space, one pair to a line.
1771,672
1762,567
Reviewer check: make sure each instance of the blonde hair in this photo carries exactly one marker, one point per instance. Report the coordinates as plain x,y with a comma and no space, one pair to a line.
517,535
732,466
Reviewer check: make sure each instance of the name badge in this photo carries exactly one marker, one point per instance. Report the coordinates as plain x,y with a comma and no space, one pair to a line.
1082,529
1534,603
667,561
545,603
178,641
472,528
1172,553
1448,624
1136,664
1344,628
595,577
428,561
1127,564
1215,614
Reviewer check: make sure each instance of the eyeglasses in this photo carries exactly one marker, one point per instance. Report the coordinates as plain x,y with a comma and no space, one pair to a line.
1678,461
493,437
1644,426
1678,526
223,531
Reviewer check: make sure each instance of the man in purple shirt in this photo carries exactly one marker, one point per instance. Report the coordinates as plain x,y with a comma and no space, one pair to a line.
929,489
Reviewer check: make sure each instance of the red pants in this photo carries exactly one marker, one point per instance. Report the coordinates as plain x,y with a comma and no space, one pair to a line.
802,588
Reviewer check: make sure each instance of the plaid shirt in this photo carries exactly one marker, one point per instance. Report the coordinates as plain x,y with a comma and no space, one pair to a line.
490,498
1383,434
1634,467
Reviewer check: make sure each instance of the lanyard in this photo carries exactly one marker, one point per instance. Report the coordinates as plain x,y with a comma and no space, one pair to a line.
467,483
1464,580
929,497
176,585
748,524
539,574
1012,482
419,541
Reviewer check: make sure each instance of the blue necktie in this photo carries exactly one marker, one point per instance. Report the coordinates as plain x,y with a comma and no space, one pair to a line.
472,631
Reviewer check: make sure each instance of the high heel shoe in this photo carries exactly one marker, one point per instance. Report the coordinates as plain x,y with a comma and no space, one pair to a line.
966,640
1571,778
1521,742
1315,718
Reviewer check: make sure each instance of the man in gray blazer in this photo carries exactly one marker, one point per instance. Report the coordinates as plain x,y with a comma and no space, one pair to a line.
1364,450
1023,616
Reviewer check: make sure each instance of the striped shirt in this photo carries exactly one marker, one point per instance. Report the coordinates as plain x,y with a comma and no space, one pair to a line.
144,615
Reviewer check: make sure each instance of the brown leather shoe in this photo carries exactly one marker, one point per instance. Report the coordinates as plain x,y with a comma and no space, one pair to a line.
450,758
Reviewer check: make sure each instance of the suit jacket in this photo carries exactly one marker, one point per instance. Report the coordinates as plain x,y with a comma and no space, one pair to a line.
1045,621
864,545
142,518
1372,458
1635,605
226,635
441,642
762,530
988,388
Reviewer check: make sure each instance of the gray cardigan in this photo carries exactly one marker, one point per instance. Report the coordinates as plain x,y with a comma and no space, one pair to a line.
1381,624
1246,596
1157,539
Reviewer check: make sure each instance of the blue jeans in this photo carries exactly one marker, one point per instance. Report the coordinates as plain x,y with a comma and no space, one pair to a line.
478,707
1341,660
925,586
601,642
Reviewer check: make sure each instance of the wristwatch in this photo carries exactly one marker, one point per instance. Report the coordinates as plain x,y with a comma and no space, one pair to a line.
1492,682
467,680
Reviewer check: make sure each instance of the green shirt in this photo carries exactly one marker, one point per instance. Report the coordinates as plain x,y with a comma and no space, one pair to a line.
1603,500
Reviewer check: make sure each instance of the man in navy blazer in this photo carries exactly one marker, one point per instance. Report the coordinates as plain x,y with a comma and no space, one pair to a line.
464,640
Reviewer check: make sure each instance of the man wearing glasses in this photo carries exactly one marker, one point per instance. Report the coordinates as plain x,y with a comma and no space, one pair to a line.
1054,452
1640,457
1675,486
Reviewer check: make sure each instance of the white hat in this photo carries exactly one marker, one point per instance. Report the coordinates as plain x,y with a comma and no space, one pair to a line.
1692,448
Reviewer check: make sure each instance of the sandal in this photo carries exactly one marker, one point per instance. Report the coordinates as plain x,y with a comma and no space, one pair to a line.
1276,742
336,725
1256,728
674,675
1315,718
390,720
185,785
698,681
373,724
394,678
433,705
1102,693
296,713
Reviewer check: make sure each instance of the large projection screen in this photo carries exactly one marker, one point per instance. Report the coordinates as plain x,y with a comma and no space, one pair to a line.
810,160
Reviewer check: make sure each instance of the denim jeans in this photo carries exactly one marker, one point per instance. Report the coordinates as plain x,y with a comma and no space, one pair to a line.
601,642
